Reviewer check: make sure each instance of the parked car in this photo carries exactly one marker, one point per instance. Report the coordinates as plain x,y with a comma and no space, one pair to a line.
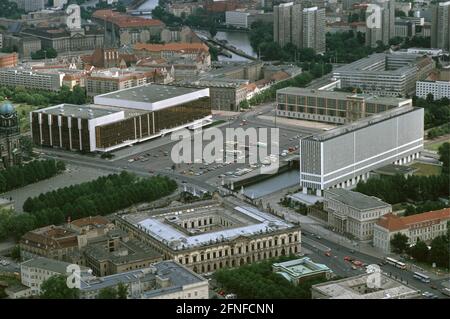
328,254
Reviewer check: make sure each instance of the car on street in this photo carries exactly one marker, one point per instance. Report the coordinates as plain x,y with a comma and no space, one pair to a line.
328,253
348,258
446,291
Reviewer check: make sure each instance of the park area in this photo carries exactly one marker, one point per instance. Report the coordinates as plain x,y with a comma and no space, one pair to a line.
424,169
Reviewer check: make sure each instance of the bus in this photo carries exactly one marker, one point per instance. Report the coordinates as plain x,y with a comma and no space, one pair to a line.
421,277
395,263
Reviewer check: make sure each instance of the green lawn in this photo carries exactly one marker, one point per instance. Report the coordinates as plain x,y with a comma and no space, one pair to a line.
23,111
426,169
434,146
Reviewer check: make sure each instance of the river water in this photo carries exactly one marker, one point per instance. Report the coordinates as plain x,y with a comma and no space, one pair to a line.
240,40
273,184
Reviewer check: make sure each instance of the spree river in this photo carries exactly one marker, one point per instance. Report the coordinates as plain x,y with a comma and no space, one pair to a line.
237,39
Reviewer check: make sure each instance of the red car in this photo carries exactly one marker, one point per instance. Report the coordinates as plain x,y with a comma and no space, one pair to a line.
347,258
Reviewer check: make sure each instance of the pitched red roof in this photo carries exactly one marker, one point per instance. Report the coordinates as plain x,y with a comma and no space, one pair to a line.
393,222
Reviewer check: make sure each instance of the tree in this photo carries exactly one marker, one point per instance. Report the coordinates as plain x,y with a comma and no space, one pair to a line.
56,288
107,293
26,146
419,251
122,291
440,252
399,243
15,253
444,157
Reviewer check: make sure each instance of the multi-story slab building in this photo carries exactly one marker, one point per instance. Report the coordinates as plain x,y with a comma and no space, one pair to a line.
385,74
424,227
8,60
332,107
105,81
343,156
439,89
440,25
211,235
50,80
353,213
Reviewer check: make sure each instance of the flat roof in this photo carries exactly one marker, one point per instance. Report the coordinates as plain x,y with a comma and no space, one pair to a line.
355,199
49,264
362,123
178,240
87,111
300,267
392,169
345,288
150,93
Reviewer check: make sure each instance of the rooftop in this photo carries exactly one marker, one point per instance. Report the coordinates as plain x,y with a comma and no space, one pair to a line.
48,264
392,169
91,221
299,268
356,288
181,46
362,123
124,20
89,111
394,223
354,199
247,221
380,63
149,93
368,98
177,275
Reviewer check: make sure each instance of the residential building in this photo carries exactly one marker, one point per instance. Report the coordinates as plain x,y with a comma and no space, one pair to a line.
382,28
186,8
424,227
8,60
36,271
393,74
364,287
439,89
237,19
287,24
440,25
210,235
124,29
353,213
298,270
332,107
49,80
120,118
343,156
303,27
109,80
182,34
30,5
163,280
10,153
313,29
404,29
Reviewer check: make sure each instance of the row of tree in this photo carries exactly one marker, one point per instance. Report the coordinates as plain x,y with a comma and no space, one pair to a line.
438,252
427,206
397,189
269,94
258,281
20,94
35,171
9,9
102,196
56,287
437,112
